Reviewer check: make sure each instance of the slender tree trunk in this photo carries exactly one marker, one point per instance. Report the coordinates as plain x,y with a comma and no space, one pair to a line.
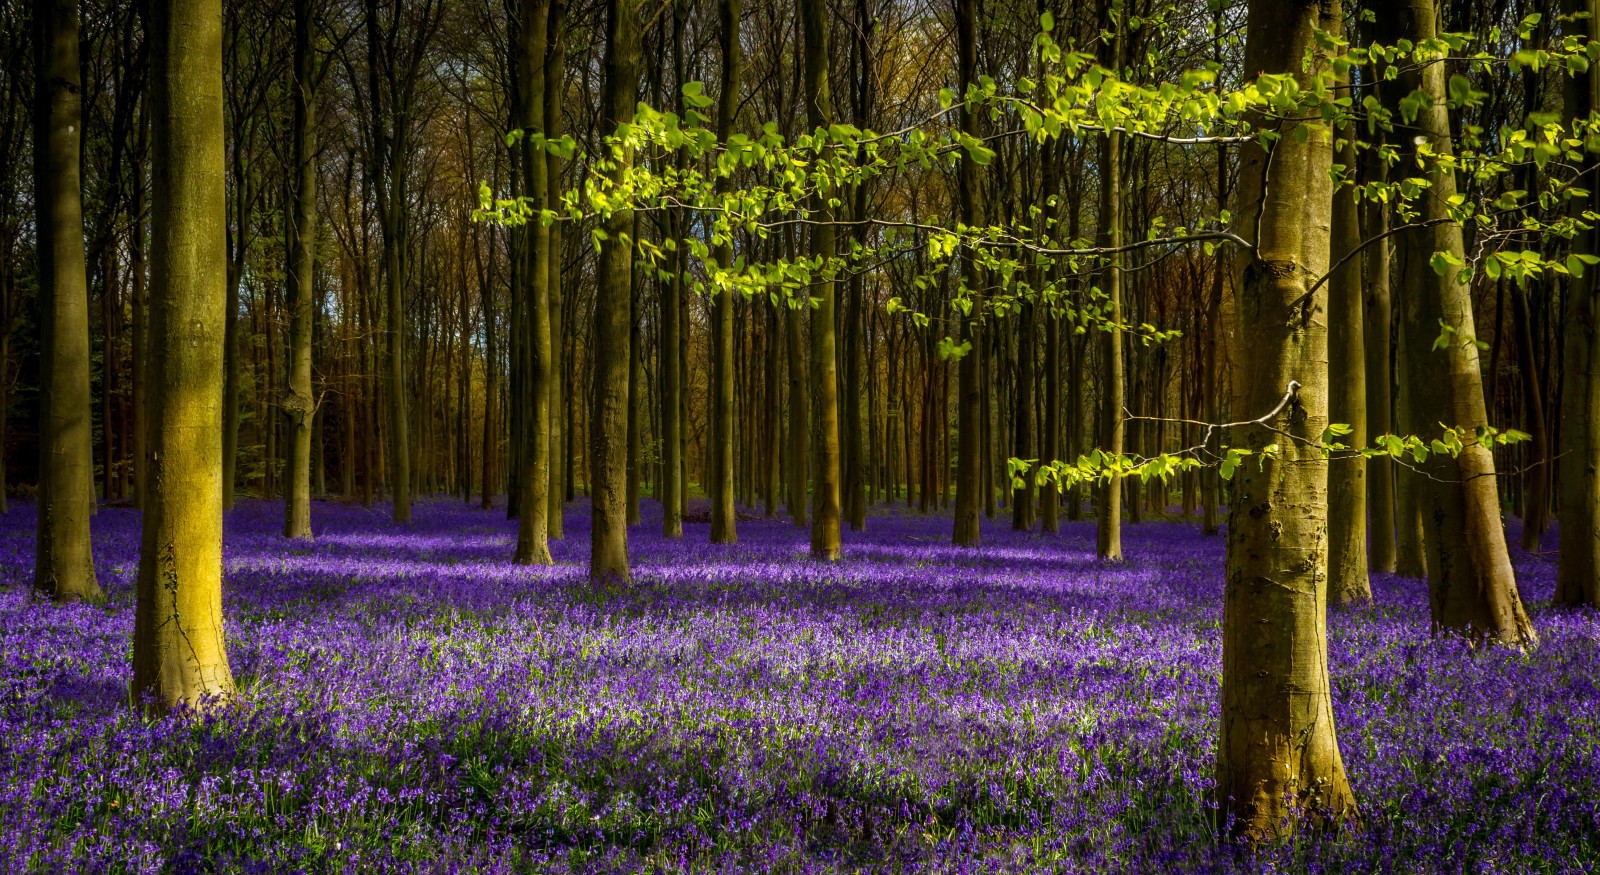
1578,565
1347,399
64,559
671,375
1278,759
178,653
555,65
799,418
298,404
491,389
1049,495
723,528
1024,421
636,414
1381,556
824,357
609,342
969,456
1536,515
533,468
1472,589
1108,523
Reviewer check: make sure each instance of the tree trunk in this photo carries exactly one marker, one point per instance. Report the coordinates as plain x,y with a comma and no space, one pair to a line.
609,342
720,432
555,65
1578,565
64,559
1347,399
298,404
969,449
824,357
533,468
178,653
799,418
1472,589
1108,523
1381,555
1278,758
1536,514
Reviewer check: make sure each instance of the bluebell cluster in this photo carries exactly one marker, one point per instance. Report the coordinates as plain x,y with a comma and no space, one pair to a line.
410,701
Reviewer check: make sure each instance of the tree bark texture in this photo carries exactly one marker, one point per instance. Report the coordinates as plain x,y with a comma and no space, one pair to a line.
64,558
1278,758
178,653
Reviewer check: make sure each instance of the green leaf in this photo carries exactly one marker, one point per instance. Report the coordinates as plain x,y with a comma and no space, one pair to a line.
1047,22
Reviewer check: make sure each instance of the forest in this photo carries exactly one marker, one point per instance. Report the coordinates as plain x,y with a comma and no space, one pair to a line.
799,436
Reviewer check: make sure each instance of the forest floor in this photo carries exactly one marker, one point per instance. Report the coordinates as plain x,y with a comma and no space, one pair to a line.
410,701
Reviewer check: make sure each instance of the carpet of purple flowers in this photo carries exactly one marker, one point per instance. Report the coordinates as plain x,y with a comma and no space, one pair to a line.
410,701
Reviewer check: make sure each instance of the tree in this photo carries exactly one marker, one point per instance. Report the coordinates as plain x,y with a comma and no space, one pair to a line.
608,415
395,66
823,366
533,469
1472,588
178,652
1347,399
1278,758
64,560
298,404
1108,525
1578,567
968,447
723,517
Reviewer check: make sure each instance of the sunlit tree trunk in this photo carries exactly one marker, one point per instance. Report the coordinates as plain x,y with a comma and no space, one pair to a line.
609,343
64,559
1278,758
1472,589
178,652
1113,392
298,404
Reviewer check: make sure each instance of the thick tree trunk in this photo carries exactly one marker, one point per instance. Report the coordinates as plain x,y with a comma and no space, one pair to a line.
824,357
64,559
1278,760
178,653
609,342
298,404
1472,588
533,467
1347,400
723,516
